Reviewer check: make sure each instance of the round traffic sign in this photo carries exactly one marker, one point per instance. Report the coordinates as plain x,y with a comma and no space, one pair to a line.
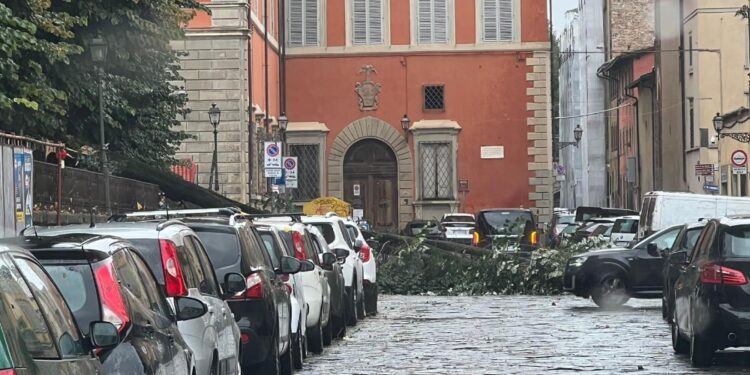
739,158
272,149
289,164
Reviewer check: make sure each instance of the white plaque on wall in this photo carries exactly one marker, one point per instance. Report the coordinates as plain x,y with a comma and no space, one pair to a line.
493,152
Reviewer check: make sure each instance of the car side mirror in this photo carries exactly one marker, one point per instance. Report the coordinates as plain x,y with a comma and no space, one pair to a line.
306,266
653,250
341,254
234,283
289,265
104,335
678,258
358,244
187,308
328,260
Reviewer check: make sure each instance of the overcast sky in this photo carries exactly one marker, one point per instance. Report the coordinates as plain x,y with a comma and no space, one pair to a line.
559,7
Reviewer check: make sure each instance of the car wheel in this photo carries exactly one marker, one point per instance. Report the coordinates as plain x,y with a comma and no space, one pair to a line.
664,312
214,366
328,333
351,307
297,349
371,299
679,343
271,365
315,338
701,351
360,305
611,291
287,361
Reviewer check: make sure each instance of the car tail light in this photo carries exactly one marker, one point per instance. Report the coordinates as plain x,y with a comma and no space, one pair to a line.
475,239
364,253
715,274
245,338
534,238
299,246
173,280
254,288
113,304
8,372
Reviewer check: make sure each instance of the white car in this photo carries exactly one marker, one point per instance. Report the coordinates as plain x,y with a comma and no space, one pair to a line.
295,286
624,230
334,231
315,285
459,227
366,254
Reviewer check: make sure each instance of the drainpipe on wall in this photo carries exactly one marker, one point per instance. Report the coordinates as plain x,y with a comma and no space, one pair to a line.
265,69
250,112
682,94
606,77
628,93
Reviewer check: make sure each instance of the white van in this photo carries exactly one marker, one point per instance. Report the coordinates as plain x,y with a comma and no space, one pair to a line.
662,209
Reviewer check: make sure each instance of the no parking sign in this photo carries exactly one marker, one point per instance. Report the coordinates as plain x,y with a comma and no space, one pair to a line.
272,155
290,167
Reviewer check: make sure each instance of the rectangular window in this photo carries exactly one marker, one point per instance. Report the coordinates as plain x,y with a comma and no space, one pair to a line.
691,118
434,98
368,21
308,169
303,20
498,20
432,21
436,170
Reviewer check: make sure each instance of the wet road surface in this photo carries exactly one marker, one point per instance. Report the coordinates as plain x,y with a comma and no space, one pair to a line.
511,335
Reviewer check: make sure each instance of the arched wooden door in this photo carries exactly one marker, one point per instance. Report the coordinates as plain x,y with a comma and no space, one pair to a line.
370,183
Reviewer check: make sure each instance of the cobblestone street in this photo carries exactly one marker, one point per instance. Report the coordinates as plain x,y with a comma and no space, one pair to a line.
511,335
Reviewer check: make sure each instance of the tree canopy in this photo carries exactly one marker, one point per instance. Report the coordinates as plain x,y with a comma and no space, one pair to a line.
49,84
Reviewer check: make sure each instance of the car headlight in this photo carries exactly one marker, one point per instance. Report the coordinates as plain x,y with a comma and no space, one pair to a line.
577,262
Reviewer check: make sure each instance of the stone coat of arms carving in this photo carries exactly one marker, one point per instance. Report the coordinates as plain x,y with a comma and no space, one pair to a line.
367,90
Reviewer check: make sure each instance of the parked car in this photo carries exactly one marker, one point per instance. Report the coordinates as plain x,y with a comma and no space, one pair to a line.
510,229
585,213
367,255
431,229
458,227
103,278
334,272
624,230
592,228
711,291
264,311
662,209
178,259
38,334
685,242
295,288
336,235
296,238
612,276
560,221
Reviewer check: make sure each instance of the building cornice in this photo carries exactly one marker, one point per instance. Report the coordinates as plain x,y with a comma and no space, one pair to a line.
417,49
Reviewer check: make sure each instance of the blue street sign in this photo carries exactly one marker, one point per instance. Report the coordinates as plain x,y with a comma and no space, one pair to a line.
711,188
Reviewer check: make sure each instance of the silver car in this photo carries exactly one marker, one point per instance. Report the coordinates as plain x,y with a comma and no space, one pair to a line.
178,259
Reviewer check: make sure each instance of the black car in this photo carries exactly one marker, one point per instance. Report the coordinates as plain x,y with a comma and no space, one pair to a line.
104,279
38,334
431,229
685,242
612,276
510,229
585,213
712,295
263,312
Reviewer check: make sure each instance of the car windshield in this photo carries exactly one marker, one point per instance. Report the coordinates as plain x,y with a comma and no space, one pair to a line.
222,246
629,226
737,242
508,222
664,239
458,219
76,282
5,362
422,227
566,219
570,229
327,231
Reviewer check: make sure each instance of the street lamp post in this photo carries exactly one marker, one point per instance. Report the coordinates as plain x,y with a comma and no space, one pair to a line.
98,50
214,116
405,122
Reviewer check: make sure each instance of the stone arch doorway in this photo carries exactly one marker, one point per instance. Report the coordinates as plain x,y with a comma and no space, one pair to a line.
371,128
370,183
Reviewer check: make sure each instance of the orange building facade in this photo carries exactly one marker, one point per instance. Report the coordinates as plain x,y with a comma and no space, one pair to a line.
407,109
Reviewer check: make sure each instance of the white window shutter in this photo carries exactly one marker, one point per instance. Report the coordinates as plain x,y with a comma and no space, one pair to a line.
440,21
295,23
424,21
489,19
375,21
505,18
311,22
359,22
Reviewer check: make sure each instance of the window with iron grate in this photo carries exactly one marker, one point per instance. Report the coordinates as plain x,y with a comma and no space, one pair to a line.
434,98
308,171
437,174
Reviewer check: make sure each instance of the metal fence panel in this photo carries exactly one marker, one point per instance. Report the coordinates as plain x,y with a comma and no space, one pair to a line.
8,220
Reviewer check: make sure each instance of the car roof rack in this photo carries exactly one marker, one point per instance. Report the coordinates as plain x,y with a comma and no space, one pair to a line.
232,213
294,217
